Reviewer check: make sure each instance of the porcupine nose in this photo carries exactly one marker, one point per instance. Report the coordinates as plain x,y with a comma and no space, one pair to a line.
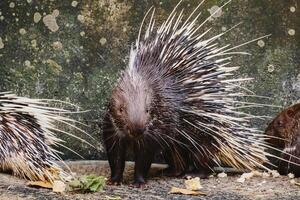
139,131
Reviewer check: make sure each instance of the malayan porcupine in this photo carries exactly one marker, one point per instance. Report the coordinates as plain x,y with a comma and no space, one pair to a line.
285,132
27,135
177,96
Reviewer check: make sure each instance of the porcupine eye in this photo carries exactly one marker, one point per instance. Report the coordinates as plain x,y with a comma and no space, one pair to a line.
280,124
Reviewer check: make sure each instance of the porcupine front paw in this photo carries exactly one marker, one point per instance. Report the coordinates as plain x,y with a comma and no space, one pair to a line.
139,182
116,180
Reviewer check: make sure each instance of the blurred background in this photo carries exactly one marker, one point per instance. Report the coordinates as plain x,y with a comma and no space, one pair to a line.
74,50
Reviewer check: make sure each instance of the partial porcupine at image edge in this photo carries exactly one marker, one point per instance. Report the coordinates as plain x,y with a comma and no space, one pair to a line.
178,95
28,137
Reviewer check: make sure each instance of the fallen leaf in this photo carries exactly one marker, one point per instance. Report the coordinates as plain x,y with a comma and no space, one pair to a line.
43,184
175,190
296,183
59,186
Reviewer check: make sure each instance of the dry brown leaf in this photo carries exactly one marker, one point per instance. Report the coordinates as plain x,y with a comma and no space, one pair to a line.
175,190
43,184
296,183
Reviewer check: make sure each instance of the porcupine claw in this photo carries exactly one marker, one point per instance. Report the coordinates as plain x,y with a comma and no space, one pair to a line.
139,182
114,181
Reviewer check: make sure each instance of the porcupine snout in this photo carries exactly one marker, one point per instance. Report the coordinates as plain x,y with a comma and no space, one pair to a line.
136,128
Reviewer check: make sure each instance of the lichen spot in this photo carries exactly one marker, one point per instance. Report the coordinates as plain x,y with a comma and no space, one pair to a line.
37,17
12,4
292,9
1,43
27,63
82,33
103,41
22,31
33,43
57,45
271,68
261,43
215,12
74,3
50,21
291,32
55,13
80,18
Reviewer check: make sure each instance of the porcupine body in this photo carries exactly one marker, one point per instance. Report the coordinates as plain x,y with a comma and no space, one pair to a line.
27,137
178,96
285,130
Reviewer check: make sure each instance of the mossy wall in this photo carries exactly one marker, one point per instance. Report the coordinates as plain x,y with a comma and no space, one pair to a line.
73,50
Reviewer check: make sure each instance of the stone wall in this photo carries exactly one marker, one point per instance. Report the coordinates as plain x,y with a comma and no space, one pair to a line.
73,50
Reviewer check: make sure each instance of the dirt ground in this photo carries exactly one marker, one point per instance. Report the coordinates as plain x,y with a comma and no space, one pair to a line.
157,188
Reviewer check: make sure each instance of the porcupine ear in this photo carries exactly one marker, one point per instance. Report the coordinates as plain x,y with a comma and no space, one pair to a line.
291,113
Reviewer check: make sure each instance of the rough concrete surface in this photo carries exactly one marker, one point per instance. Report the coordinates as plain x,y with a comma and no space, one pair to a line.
157,187
74,50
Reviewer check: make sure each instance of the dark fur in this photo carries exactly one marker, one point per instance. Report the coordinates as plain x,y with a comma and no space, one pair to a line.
286,128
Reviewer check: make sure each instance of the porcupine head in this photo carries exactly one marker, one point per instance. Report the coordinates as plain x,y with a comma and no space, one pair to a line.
285,128
285,134
130,105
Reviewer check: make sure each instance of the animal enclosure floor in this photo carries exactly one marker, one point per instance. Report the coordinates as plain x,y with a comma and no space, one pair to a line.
157,188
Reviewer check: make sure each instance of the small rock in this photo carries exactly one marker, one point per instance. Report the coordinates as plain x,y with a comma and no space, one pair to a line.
275,173
222,175
59,186
291,175
293,181
193,184
240,180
